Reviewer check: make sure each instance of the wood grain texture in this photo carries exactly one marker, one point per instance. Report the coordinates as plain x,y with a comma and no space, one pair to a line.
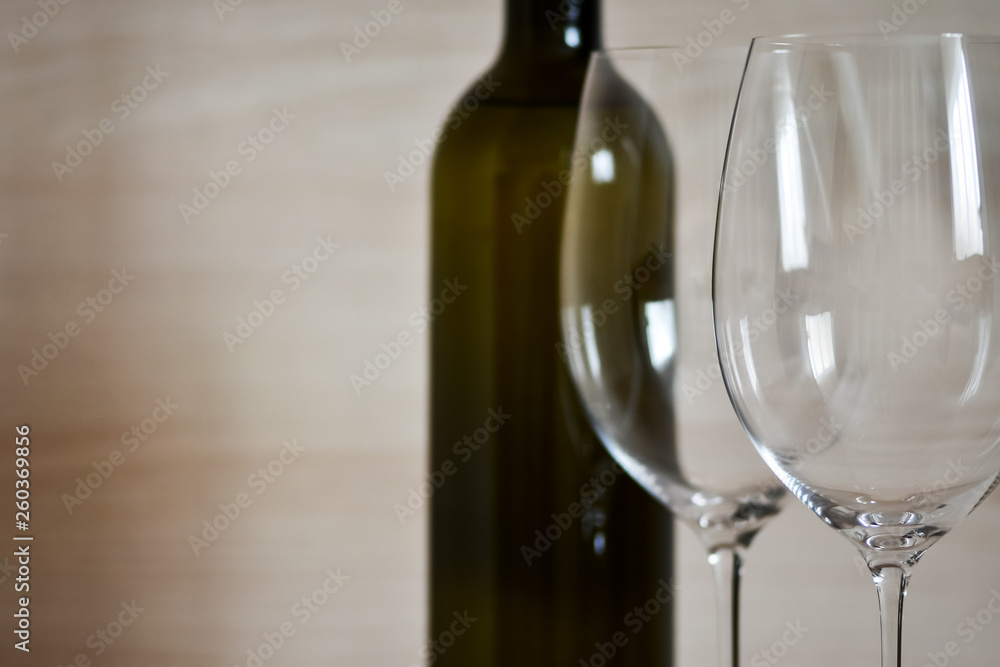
162,336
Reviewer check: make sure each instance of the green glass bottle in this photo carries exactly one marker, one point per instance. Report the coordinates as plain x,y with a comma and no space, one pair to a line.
535,533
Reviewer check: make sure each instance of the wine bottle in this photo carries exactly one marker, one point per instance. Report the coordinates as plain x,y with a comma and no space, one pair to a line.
535,532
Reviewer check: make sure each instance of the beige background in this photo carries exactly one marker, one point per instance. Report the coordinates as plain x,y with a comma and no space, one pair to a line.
163,336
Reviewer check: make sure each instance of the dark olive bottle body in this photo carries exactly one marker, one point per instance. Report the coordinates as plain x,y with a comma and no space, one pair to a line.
534,532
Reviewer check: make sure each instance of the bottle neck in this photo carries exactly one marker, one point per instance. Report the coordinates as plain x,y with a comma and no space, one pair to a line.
551,30
546,46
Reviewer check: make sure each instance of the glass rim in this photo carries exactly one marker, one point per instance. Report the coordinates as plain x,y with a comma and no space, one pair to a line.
607,52
868,39
803,39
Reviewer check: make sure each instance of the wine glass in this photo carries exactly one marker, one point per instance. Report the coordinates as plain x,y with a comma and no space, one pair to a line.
635,287
862,182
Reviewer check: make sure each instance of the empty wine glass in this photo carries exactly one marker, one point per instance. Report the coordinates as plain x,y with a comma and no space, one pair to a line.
635,296
862,185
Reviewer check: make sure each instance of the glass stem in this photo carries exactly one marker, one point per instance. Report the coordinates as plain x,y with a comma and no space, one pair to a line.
727,562
891,581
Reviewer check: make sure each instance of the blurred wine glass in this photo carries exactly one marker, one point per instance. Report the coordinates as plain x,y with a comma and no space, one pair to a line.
635,296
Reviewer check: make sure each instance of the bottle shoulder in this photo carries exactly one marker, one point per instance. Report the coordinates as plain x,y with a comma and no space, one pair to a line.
502,132
515,80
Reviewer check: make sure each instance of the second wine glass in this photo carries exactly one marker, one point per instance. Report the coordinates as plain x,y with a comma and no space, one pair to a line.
635,297
876,210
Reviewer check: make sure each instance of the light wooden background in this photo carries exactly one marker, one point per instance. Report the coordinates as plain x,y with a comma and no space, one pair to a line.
163,337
